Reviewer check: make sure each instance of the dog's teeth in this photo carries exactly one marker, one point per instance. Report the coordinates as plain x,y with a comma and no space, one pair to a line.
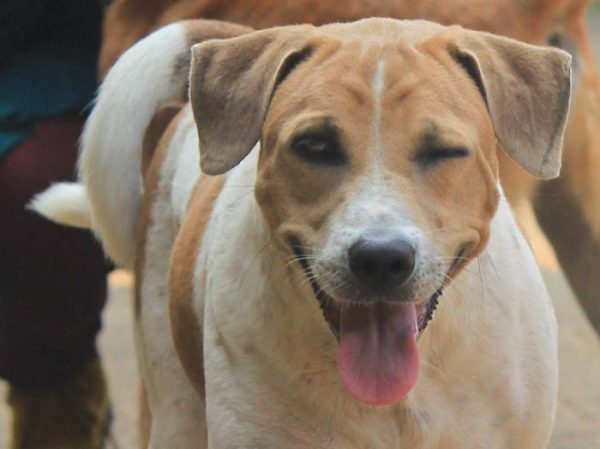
431,308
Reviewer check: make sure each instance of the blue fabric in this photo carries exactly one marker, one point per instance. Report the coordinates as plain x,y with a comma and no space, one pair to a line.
43,82
9,139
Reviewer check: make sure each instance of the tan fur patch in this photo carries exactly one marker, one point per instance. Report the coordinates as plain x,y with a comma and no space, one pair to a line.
154,132
186,326
151,180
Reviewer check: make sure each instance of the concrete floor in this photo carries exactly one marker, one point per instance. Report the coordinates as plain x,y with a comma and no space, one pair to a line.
578,418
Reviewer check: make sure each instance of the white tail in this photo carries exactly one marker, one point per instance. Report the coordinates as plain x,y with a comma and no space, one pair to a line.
146,77
65,203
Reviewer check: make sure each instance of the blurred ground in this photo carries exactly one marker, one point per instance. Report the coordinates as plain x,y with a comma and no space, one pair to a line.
578,419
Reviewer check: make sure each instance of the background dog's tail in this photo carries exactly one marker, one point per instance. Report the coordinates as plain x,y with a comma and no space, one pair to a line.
150,74
65,203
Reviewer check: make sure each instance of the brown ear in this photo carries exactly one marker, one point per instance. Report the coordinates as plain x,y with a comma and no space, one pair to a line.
232,82
527,90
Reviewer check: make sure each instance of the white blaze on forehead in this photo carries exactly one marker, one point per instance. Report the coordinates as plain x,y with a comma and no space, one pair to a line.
378,81
378,86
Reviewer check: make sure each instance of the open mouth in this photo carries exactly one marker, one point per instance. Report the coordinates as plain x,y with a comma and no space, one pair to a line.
332,308
377,357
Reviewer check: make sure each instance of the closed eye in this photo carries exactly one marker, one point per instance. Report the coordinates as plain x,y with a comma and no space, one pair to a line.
434,155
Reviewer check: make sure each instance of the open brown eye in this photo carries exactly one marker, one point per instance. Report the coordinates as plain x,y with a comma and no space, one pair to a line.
319,148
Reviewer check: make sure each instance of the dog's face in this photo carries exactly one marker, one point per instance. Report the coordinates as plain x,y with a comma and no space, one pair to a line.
378,168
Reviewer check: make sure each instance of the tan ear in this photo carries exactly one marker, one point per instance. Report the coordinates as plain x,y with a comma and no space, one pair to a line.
232,82
527,90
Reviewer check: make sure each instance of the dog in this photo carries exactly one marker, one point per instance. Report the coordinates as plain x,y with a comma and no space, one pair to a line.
344,270
566,208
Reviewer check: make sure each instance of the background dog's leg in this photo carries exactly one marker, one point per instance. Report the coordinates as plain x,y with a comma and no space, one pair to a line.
576,247
561,216
568,208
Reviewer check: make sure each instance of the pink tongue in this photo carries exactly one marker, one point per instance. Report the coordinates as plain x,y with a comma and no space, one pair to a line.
378,359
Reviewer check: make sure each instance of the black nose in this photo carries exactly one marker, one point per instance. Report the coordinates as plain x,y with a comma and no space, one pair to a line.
381,262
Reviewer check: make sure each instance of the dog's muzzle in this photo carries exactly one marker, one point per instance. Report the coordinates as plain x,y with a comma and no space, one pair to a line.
381,266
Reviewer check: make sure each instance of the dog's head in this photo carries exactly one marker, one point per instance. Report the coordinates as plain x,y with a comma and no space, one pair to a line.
378,162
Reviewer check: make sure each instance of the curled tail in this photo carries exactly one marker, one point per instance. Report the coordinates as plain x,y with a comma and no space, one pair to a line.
151,73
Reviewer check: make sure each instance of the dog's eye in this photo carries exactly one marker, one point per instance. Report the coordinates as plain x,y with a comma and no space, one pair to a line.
435,155
318,148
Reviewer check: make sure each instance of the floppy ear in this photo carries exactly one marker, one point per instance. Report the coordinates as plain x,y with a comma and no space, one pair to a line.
527,90
232,82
